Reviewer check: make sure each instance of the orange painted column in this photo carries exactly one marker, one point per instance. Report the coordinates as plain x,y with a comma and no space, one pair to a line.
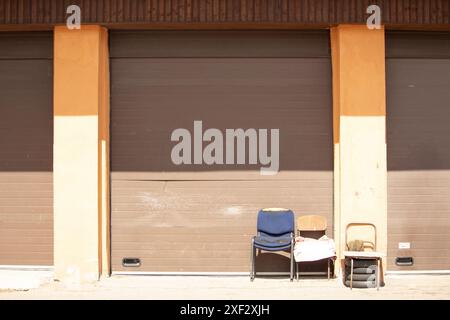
359,105
81,134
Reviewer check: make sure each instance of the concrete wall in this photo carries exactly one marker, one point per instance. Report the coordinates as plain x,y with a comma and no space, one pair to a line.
359,102
80,136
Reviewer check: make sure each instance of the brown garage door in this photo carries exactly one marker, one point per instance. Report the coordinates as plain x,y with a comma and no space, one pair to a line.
418,91
200,218
26,144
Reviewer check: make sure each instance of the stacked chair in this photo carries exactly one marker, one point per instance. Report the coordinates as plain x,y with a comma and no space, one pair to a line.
364,273
362,261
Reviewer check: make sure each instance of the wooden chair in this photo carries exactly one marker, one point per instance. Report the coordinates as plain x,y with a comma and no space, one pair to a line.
311,223
312,226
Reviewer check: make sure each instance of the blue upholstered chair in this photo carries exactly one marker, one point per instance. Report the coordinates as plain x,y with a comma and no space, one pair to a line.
275,232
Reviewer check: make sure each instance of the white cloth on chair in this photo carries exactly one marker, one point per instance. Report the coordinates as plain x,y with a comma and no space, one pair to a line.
308,249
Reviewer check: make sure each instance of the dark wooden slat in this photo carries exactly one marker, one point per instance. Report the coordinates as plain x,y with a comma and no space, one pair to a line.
216,10
59,11
176,8
195,11
7,11
126,10
137,7
2,12
168,14
243,13
14,13
285,11
306,12
413,10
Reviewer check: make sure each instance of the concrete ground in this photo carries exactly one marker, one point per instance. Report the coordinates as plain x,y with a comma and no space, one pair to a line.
38,285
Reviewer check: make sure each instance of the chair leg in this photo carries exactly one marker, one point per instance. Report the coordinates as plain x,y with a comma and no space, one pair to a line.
351,274
253,251
328,270
292,261
378,274
297,273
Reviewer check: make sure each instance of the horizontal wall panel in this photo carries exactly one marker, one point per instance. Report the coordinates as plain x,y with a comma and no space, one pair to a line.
37,45
163,222
173,12
427,45
245,93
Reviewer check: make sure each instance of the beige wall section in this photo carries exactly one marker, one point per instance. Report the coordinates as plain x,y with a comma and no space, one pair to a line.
81,103
336,150
75,198
104,133
358,56
363,175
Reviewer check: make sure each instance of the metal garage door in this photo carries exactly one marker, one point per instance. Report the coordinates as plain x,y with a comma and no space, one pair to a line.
200,218
418,138
26,144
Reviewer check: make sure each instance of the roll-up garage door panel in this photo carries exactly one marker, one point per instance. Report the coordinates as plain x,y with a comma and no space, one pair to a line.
243,94
219,44
190,226
176,218
418,77
26,135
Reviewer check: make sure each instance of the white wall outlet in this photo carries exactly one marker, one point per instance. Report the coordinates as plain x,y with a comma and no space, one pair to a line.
404,245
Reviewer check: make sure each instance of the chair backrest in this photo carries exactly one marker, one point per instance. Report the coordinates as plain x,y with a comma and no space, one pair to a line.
369,241
275,222
311,223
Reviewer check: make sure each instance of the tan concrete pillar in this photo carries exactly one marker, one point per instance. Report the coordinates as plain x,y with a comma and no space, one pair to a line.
81,134
359,103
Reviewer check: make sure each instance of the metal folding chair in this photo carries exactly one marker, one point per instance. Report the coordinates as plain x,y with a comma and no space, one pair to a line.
364,255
